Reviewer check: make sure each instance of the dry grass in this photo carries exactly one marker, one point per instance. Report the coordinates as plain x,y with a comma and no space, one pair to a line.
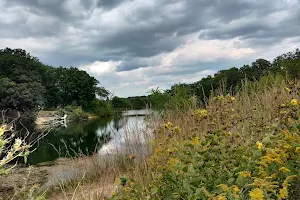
96,176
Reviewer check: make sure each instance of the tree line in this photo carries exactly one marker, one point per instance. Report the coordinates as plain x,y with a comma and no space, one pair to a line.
286,65
28,85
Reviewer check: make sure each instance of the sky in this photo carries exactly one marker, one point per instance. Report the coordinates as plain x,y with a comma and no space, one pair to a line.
133,46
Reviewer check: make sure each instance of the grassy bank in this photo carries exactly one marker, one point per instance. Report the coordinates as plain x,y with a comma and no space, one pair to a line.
238,146
242,146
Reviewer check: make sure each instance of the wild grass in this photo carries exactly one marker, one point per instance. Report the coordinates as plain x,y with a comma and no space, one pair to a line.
220,151
97,176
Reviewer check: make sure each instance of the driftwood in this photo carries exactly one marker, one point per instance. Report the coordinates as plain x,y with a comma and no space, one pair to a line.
51,120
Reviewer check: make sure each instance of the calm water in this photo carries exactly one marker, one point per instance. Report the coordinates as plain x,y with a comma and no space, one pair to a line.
101,136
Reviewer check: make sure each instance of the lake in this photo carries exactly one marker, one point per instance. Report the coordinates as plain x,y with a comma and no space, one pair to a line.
119,134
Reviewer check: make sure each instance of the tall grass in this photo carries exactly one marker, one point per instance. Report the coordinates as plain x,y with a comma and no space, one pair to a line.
219,152
97,176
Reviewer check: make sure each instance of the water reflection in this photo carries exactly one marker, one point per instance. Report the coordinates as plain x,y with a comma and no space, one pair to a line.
103,135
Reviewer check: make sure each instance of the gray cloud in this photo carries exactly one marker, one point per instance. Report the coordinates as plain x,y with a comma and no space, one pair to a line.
109,4
140,33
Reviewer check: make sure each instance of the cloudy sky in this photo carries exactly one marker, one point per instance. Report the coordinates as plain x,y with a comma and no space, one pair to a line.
131,46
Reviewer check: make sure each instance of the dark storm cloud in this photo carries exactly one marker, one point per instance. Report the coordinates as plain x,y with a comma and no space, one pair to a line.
135,31
261,23
53,8
109,4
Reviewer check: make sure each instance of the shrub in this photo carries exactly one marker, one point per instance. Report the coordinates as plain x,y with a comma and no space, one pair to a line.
75,113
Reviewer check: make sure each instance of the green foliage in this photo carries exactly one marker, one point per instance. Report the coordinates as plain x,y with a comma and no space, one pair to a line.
120,103
70,86
158,99
100,107
28,85
75,113
22,96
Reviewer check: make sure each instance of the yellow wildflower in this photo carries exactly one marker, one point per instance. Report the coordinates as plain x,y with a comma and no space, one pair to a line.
201,112
297,150
224,187
294,102
36,186
176,129
283,193
168,125
256,194
232,98
236,189
127,189
195,140
284,169
221,197
220,97
245,174
259,145
287,89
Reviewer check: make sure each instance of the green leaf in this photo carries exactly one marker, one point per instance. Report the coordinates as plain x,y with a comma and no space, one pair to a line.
241,181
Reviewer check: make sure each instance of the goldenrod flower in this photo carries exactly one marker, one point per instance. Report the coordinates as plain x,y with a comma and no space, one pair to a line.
256,194
259,145
245,174
283,193
294,102
284,169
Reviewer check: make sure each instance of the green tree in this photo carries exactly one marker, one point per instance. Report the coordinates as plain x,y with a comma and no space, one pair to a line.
22,96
